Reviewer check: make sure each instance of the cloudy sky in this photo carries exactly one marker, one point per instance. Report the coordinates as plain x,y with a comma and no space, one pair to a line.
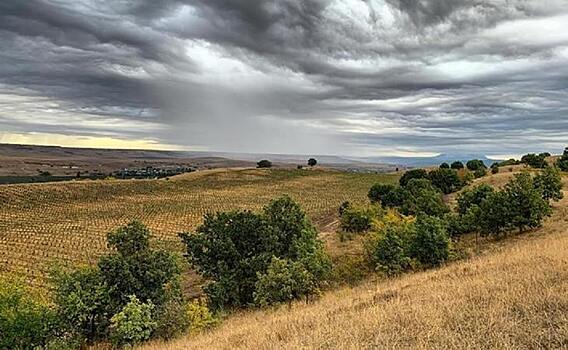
347,77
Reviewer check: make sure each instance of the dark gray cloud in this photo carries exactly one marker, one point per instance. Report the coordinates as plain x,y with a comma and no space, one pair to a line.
364,77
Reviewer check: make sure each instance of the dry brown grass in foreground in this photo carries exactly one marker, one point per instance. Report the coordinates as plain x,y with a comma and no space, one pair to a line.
512,298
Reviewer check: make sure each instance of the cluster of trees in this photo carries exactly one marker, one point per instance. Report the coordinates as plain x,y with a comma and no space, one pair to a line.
131,295
258,258
537,161
522,204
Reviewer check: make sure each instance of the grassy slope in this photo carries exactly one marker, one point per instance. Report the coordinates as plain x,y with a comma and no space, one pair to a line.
67,221
513,295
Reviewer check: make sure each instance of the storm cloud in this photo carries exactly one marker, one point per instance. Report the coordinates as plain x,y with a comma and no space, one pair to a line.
351,77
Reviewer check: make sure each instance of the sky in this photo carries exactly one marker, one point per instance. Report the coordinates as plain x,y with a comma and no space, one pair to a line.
352,77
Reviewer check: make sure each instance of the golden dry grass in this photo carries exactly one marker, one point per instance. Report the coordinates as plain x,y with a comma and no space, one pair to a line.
514,295
68,221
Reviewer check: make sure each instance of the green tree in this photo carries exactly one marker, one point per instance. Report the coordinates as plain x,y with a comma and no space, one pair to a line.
444,166
446,180
412,174
549,182
457,165
283,281
133,324
264,164
527,208
493,214
357,219
83,303
475,164
480,172
389,252
429,244
231,249
470,197
312,162
388,195
535,160
133,268
26,321
420,197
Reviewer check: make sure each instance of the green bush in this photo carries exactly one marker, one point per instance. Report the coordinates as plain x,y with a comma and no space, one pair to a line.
470,197
412,174
562,163
133,324
429,244
495,170
420,197
264,164
457,165
480,172
535,160
232,249
344,206
475,164
389,253
527,208
444,166
26,321
133,268
199,316
283,281
356,219
494,213
83,303
549,182
446,180
387,194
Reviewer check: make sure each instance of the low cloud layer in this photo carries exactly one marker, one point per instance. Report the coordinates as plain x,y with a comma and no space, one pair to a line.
352,77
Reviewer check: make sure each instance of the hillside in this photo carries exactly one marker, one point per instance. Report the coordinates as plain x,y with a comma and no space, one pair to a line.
68,221
512,296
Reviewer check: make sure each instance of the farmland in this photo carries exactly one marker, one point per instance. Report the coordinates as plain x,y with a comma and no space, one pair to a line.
68,221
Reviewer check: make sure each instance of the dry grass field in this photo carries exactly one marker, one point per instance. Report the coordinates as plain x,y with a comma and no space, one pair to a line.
68,221
512,296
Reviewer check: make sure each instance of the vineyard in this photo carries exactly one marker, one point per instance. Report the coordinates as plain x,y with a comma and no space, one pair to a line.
67,222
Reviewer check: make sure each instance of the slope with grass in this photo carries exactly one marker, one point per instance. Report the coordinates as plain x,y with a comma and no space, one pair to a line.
68,221
512,295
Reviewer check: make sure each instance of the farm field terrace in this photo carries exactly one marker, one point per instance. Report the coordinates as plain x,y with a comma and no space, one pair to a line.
67,222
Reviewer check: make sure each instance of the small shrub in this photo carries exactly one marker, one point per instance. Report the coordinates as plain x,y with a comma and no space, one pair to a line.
480,172
475,164
343,207
283,281
444,166
357,220
349,269
133,324
199,316
457,165
495,170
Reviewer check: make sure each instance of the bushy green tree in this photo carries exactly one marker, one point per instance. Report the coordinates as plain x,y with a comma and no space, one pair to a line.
412,174
421,197
475,164
494,213
480,172
389,253
26,321
535,160
444,166
343,207
283,281
474,196
231,249
83,303
446,180
312,162
527,208
430,244
357,219
264,164
133,324
388,195
549,182
457,165
133,268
